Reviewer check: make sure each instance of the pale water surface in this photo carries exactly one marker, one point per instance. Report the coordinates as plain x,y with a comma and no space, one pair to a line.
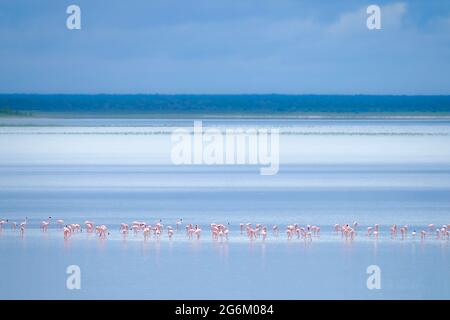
115,171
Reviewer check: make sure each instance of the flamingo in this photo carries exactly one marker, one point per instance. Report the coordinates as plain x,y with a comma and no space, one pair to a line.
67,232
197,232
264,233
101,231
403,232
289,233
315,230
123,228
22,228
308,236
23,225
337,227
157,233
394,230
89,226
225,232
75,227
135,228
275,229
423,234
214,231
146,232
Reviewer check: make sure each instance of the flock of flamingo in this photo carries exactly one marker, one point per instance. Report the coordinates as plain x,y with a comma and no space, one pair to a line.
221,231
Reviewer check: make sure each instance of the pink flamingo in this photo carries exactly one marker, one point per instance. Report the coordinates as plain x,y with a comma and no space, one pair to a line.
423,234
220,234
75,227
101,231
315,230
437,233
135,228
289,233
344,230
443,232
170,232
275,229
146,232
190,231
197,232
67,232
22,226
394,231
214,231
251,233
337,227
60,223
157,232
264,233
403,232
123,228
89,226
348,232
308,236
302,232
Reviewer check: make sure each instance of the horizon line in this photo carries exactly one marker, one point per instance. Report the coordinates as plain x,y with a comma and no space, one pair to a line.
230,94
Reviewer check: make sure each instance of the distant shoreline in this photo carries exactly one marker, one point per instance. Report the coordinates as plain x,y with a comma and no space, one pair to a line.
271,106
231,116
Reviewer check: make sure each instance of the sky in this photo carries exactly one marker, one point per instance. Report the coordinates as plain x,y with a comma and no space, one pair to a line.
225,46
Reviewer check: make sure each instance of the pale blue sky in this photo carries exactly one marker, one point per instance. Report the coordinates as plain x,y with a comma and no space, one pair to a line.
225,46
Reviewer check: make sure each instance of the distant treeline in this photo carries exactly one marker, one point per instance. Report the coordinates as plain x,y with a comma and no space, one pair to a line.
6,111
224,104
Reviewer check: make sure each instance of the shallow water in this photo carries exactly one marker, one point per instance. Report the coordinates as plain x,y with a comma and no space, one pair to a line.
374,172
35,267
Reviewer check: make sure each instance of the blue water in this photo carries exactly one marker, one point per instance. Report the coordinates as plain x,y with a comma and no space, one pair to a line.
225,104
380,172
